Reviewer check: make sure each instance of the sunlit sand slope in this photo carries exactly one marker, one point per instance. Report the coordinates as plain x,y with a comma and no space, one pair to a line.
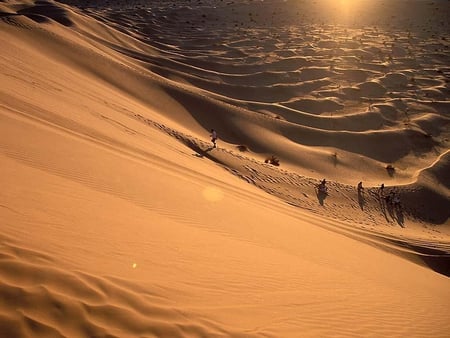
119,219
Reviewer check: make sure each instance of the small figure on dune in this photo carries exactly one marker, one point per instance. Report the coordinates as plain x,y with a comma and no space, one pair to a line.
272,160
361,201
322,187
360,187
213,137
381,190
322,191
396,202
390,198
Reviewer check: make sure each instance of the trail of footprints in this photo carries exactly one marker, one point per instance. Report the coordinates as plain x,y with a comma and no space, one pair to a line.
290,187
299,191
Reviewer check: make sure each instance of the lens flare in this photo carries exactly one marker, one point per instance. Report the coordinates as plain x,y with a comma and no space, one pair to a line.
212,194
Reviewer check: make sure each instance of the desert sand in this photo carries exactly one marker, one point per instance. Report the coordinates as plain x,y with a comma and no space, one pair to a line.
120,219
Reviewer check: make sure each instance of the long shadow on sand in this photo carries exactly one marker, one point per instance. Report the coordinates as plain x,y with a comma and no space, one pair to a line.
383,207
435,259
438,263
399,216
396,214
361,199
200,152
321,196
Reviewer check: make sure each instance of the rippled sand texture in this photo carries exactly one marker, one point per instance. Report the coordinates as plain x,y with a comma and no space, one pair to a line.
335,83
119,219
341,89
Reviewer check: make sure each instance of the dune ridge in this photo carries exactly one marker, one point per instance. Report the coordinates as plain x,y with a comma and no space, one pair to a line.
391,93
119,218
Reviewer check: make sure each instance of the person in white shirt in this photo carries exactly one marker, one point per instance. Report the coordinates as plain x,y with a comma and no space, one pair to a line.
213,137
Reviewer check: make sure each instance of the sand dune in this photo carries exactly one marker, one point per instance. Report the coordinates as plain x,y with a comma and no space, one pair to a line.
119,218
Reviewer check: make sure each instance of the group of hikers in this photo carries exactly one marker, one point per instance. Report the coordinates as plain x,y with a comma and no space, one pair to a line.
392,199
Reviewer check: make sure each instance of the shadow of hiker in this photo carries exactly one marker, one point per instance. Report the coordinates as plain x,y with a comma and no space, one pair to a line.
361,200
335,159
383,207
200,152
390,209
321,196
399,216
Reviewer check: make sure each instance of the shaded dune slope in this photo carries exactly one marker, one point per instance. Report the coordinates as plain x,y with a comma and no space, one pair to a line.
343,97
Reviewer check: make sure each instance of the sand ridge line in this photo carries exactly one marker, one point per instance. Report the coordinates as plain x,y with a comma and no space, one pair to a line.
297,190
79,171
391,79
410,141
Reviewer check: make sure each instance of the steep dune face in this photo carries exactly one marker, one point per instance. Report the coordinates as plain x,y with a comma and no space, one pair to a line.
119,218
432,190
341,73
264,81
438,171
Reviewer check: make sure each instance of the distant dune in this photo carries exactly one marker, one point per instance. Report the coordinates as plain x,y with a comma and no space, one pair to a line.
120,219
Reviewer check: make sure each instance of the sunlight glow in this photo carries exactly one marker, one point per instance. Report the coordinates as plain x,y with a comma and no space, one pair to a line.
212,194
345,6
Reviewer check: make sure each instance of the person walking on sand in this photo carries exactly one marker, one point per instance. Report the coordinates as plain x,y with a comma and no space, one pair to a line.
390,198
323,187
360,187
381,190
396,202
213,137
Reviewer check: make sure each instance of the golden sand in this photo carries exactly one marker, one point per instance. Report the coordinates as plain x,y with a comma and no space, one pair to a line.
119,218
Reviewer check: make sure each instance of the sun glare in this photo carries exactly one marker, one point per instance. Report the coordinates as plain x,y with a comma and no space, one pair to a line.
345,6
212,194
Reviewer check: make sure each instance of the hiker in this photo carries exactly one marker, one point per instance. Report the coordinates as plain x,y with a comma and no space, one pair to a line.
360,187
322,186
396,201
273,160
213,137
390,198
381,190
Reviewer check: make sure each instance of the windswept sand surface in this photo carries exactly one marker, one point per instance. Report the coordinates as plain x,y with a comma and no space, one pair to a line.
119,219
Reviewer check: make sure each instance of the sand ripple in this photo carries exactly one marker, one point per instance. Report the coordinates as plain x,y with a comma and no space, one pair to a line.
83,305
